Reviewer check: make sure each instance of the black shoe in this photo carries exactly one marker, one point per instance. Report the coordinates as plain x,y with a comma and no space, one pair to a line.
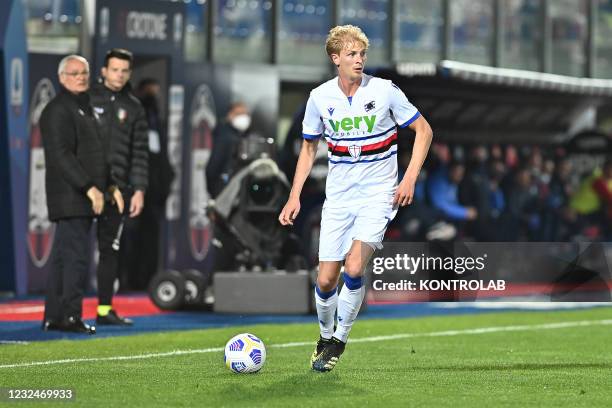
326,361
49,325
76,325
113,319
318,350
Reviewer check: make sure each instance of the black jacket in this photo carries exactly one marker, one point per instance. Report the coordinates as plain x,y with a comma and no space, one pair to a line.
74,155
222,157
161,172
124,129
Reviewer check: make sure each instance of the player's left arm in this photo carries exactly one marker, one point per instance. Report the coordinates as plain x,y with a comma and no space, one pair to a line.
405,190
406,114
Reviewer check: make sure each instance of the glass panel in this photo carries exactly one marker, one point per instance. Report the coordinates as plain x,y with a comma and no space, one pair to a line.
603,40
569,33
303,29
53,26
522,34
372,17
195,30
242,31
472,26
420,24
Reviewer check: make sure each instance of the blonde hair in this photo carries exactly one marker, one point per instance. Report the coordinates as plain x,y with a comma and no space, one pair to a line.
341,36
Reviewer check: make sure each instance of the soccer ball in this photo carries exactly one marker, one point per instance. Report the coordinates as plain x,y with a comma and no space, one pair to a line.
245,353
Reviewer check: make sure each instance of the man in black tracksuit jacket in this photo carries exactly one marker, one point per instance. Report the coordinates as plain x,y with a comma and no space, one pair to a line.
75,182
124,129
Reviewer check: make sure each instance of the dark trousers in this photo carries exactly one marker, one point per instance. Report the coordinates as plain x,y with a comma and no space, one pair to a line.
70,263
140,248
108,225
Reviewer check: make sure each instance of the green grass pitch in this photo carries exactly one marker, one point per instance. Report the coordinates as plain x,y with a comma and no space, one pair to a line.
537,361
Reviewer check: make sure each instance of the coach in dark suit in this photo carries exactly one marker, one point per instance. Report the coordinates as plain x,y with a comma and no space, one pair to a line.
75,179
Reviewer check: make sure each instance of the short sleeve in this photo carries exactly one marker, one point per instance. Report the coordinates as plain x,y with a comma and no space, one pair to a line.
312,127
403,111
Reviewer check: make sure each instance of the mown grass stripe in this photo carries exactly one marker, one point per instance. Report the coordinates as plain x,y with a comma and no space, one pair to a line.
481,330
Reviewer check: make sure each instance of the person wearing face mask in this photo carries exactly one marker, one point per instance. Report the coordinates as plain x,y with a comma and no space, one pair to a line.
226,137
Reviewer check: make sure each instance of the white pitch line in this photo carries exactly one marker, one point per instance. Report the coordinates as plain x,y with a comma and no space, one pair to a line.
13,342
115,358
482,330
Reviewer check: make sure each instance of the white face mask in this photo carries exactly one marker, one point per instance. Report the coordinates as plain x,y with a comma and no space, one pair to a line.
241,122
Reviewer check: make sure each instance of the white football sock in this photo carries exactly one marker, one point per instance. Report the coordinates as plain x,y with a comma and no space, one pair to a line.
327,303
349,303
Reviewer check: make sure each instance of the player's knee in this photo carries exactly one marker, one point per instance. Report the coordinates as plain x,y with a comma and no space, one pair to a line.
354,269
326,283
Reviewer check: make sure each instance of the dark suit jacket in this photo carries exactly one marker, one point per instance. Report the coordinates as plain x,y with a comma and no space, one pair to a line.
74,155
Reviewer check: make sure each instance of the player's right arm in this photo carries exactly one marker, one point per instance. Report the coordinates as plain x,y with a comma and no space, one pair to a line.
312,130
306,159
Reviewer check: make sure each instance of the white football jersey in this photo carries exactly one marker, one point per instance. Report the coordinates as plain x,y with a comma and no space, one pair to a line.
361,136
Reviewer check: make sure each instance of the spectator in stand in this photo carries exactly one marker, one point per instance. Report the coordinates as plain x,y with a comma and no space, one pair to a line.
523,207
419,221
548,171
587,205
443,186
497,153
603,188
226,137
557,216
477,190
535,163
497,199
511,157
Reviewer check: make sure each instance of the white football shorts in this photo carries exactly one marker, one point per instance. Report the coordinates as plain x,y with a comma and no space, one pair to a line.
341,226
